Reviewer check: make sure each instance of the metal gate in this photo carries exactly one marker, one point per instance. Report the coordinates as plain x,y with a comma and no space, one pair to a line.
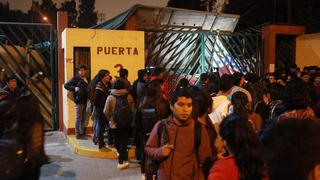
188,53
29,51
285,51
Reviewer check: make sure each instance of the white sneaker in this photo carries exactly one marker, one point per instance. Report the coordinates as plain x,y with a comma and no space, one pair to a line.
143,177
126,163
122,166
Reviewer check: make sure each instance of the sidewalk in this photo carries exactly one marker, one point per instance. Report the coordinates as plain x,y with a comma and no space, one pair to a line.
85,147
66,165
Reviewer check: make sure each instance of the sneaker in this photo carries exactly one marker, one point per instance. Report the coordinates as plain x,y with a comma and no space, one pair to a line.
122,166
126,163
143,177
111,146
78,136
82,137
101,146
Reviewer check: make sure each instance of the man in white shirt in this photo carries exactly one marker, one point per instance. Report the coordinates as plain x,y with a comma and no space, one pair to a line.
239,82
221,102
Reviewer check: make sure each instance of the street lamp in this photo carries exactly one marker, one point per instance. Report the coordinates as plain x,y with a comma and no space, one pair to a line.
45,18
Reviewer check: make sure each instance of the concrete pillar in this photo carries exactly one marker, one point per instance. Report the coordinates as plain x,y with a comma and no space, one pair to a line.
269,34
62,23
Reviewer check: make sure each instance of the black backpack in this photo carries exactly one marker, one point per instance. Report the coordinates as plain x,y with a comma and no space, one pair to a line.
122,114
148,119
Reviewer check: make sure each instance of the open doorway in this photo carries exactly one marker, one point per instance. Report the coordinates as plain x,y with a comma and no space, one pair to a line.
81,56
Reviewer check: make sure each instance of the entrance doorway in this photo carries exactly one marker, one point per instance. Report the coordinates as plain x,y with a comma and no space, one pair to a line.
82,56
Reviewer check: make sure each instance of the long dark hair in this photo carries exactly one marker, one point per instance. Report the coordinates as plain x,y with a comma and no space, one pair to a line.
244,145
239,100
154,98
97,78
201,101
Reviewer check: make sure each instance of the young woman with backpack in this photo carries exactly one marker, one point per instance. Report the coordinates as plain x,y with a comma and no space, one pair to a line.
152,109
99,88
118,109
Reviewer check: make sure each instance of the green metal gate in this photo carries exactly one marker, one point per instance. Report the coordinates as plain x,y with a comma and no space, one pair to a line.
188,53
29,51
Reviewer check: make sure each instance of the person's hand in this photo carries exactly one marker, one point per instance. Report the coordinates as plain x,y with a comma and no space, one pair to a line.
76,89
166,150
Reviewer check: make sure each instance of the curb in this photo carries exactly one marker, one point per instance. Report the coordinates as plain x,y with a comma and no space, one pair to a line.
104,153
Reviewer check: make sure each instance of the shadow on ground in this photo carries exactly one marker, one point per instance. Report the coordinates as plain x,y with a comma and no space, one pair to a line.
54,169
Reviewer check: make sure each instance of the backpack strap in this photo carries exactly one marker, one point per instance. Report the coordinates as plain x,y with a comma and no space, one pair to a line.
256,105
197,138
162,132
274,107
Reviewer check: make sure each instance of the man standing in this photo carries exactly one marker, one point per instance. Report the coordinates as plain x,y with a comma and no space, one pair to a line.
79,86
175,149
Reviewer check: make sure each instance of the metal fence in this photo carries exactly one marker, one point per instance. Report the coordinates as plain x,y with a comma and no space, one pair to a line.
285,51
186,53
29,51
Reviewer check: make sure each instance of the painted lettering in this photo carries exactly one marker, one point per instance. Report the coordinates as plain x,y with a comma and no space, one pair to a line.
121,50
107,50
135,51
128,48
118,50
99,49
114,50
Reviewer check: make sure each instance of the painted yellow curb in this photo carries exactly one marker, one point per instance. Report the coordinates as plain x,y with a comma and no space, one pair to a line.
105,153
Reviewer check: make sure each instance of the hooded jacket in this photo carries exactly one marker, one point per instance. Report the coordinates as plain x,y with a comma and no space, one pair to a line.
182,162
111,103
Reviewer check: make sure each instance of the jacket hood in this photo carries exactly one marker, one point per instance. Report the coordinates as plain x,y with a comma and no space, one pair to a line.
118,92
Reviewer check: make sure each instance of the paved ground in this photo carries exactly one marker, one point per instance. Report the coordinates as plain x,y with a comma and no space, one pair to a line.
66,165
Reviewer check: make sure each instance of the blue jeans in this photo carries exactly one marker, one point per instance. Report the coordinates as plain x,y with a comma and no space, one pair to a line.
99,126
80,115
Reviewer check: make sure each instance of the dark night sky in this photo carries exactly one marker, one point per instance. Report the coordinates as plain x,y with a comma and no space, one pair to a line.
110,7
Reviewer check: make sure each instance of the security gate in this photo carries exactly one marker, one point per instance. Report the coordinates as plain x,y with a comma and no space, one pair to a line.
29,51
186,53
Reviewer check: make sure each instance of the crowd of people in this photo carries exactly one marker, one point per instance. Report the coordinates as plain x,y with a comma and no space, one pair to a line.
223,127
233,126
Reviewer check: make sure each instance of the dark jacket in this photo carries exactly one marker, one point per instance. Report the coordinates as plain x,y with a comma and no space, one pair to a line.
100,95
182,161
126,81
110,105
7,93
26,126
81,96
137,91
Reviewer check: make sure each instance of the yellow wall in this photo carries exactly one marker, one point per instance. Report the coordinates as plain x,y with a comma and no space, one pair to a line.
126,48
308,50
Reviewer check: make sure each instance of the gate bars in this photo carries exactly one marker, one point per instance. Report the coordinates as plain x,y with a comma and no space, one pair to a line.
186,52
28,50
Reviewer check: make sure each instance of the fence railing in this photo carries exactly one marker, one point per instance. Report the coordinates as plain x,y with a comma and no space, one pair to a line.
188,53
29,51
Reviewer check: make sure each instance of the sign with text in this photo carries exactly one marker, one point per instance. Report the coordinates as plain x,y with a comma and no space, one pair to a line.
108,49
